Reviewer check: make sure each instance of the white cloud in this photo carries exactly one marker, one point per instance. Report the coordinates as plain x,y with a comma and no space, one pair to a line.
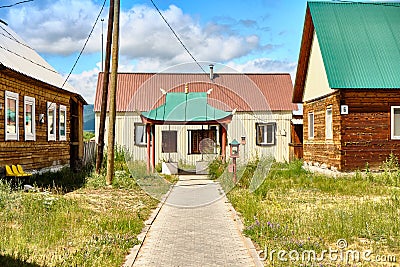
264,65
145,35
61,28
86,82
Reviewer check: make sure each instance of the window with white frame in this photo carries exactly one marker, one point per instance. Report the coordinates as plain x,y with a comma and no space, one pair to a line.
63,123
51,121
11,116
140,134
328,123
395,122
310,125
265,134
29,118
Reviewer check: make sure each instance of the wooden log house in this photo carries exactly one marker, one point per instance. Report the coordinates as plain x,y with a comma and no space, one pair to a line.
348,81
41,119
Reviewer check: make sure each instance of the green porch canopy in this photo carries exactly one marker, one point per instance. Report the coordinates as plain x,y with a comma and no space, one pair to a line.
186,108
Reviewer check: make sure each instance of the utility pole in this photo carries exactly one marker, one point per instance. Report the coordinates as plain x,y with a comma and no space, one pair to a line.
102,46
106,78
113,89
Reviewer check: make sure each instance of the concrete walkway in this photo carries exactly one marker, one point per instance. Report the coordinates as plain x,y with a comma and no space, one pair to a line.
196,227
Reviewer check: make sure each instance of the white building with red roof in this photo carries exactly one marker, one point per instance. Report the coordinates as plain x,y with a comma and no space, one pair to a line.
255,109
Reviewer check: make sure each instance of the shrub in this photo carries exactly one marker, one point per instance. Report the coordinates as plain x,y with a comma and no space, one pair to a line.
216,168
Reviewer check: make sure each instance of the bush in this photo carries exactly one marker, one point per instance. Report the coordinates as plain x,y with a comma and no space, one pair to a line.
62,181
246,173
216,168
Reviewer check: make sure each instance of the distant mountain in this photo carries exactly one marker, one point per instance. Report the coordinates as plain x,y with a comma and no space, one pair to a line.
88,118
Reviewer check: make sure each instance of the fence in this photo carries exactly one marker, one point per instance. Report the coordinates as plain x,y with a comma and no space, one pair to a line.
89,153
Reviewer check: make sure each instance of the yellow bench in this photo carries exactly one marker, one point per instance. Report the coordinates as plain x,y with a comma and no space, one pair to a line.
21,171
15,171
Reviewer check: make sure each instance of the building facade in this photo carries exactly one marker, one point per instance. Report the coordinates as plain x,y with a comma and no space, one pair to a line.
41,123
347,80
260,105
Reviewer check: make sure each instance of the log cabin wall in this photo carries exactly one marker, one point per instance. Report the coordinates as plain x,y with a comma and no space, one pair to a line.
40,153
366,130
320,151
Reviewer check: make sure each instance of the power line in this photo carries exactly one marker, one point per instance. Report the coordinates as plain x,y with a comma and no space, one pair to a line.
27,59
177,37
18,3
187,50
14,39
84,46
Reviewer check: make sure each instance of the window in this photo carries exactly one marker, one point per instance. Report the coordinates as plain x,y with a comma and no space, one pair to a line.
310,125
63,123
169,141
11,120
395,122
202,141
51,121
29,118
140,134
328,123
265,134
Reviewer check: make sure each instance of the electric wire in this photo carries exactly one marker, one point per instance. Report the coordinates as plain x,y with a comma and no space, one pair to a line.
83,48
75,63
177,37
191,55
18,3
85,44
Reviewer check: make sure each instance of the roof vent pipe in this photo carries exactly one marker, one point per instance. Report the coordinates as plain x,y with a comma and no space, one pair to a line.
211,71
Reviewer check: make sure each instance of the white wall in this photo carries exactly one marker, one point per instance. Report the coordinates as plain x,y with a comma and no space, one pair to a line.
316,84
243,124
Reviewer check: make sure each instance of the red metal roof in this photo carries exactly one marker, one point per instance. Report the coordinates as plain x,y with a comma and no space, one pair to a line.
244,92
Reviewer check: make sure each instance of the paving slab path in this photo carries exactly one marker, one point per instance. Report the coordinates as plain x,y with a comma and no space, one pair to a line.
196,226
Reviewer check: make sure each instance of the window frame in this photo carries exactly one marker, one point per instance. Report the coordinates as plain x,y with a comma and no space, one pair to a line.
192,148
265,134
52,136
138,124
11,136
311,128
392,122
329,135
62,137
30,101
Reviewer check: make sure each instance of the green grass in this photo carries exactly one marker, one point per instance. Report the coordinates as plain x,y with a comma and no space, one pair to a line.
84,223
296,210
87,136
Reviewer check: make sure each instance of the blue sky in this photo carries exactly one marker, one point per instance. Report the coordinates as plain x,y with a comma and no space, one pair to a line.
249,36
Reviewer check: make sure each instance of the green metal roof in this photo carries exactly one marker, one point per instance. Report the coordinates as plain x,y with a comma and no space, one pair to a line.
234,142
182,107
360,43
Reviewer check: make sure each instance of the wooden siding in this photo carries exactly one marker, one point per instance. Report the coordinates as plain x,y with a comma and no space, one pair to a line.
243,124
366,129
40,153
360,137
318,149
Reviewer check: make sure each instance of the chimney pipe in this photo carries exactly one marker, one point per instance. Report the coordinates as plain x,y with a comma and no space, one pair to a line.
211,71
